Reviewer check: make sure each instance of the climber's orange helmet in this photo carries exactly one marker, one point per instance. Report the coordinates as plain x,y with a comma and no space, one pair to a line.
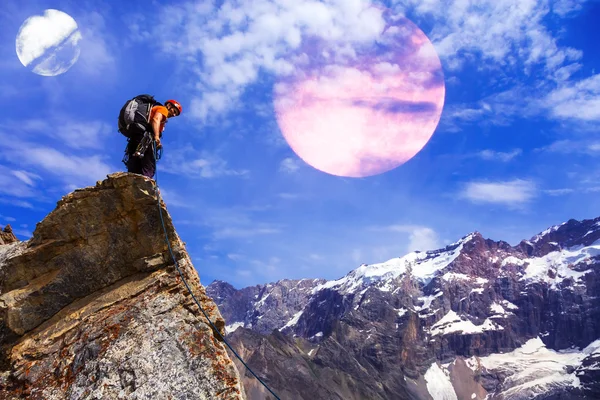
175,105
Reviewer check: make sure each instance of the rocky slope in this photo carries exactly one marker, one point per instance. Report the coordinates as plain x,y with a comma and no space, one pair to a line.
7,236
92,308
478,319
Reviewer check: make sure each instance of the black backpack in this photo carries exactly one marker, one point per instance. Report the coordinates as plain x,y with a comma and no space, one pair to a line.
134,115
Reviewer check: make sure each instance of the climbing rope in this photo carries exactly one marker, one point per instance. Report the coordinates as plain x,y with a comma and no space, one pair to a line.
158,197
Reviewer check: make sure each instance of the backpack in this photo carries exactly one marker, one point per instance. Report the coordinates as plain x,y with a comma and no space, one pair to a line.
134,115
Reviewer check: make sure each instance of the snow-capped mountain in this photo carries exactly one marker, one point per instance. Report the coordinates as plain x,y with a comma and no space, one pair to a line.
478,319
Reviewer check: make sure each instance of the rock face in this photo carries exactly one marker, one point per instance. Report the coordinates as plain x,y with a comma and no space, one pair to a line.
92,307
478,319
7,236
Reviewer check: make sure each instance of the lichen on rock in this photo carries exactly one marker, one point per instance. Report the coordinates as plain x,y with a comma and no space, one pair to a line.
91,307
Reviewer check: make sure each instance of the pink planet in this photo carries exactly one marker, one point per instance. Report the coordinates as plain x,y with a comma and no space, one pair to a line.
365,109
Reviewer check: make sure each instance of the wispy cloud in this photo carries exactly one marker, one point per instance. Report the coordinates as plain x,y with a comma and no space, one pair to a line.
192,163
237,232
98,58
16,183
492,155
289,196
568,146
558,192
76,134
513,193
44,161
578,100
16,203
289,165
515,38
491,30
239,40
174,199
420,238
26,177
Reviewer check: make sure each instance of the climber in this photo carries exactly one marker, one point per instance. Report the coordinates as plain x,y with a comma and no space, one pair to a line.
142,120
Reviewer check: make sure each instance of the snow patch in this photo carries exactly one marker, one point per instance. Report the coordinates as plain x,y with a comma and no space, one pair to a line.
293,321
386,287
422,266
539,236
593,348
512,260
509,305
499,311
453,323
561,263
450,276
233,327
261,302
439,385
427,300
401,311
533,369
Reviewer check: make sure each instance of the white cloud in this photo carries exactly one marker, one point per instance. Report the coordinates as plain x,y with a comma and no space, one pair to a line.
72,133
510,193
565,7
567,146
26,177
512,36
238,232
17,183
98,48
86,169
174,199
558,192
420,238
492,155
492,29
46,161
239,40
23,233
16,203
289,196
289,165
423,239
192,163
357,256
578,100
497,109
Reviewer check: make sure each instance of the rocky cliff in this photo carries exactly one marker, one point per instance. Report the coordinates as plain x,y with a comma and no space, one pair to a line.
7,236
91,306
478,319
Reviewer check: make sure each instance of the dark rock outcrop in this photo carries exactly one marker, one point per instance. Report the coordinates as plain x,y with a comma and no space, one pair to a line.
7,236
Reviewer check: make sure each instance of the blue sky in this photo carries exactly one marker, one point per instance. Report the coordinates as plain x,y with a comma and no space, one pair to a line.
516,149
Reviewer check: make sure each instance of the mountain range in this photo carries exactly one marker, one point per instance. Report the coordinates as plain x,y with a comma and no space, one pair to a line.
478,319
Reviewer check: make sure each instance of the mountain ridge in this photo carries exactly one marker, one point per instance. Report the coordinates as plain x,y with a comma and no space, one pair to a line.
450,308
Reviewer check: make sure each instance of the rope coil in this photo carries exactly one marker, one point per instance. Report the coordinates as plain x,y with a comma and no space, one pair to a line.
158,197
